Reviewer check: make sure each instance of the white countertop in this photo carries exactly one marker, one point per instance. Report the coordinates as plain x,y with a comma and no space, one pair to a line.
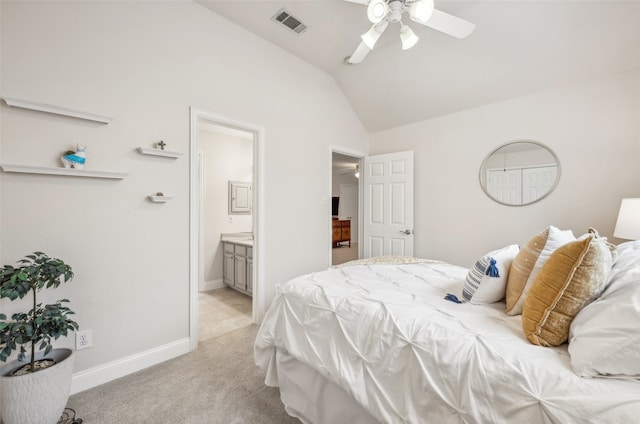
244,239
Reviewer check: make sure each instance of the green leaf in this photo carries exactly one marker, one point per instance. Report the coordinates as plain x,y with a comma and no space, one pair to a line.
42,323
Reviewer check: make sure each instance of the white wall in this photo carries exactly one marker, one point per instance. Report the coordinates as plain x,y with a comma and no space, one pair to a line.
593,128
338,179
226,158
145,64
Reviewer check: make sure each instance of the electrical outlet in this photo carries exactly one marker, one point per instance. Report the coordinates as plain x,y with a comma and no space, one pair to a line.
84,339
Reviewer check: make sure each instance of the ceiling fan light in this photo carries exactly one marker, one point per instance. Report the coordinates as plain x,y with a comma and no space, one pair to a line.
421,10
409,39
377,11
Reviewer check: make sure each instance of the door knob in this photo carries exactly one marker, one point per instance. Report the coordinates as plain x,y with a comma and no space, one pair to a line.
407,232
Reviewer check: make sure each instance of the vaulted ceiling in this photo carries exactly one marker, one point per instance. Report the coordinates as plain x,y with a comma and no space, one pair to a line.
518,47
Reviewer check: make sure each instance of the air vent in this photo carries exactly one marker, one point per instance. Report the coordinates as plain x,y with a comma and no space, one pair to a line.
293,24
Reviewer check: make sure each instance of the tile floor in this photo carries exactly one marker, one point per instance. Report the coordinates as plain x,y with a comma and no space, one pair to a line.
222,310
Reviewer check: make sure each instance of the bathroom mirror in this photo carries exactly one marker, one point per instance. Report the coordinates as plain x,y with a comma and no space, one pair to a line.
520,173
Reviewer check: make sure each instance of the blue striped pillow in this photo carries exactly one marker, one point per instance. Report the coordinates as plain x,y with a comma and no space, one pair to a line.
486,281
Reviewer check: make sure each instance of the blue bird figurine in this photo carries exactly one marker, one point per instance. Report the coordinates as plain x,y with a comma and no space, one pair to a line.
76,159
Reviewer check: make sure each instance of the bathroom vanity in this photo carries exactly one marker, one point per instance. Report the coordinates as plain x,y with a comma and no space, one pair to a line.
237,267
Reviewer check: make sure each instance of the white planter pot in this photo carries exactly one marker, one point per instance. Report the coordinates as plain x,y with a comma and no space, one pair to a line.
38,398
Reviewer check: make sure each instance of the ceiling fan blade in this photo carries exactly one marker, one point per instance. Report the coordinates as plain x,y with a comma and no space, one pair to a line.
364,2
358,56
346,171
449,24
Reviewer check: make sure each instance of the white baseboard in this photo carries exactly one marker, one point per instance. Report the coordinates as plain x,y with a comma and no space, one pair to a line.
93,377
211,285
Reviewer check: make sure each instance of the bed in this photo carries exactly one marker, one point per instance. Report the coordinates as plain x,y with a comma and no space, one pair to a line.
381,341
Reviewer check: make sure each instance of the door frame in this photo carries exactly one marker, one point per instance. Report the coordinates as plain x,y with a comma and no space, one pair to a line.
360,156
195,233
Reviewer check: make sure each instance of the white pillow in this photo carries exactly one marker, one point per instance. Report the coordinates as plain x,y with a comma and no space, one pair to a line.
604,338
482,286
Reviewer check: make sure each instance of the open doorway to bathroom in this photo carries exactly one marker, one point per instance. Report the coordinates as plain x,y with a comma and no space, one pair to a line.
225,229
344,208
224,289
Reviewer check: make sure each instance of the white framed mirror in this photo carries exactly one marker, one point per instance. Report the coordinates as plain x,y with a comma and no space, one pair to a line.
520,173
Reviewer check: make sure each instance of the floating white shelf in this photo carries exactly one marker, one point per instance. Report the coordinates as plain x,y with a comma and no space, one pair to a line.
159,199
158,152
57,110
87,173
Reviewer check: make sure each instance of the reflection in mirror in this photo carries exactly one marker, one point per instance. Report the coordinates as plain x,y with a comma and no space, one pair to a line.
519,173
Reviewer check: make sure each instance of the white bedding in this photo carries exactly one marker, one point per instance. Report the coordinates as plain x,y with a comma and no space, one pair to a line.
386,335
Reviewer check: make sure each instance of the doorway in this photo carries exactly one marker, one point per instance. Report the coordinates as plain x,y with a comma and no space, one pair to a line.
224,154
226,167
345,211
385,202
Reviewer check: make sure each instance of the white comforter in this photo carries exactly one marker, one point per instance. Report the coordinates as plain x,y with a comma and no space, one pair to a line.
387,336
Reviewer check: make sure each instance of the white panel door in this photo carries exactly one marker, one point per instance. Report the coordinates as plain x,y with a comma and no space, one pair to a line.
505,185
536,182
388,204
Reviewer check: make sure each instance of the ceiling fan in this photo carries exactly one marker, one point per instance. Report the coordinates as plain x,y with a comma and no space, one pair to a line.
383,12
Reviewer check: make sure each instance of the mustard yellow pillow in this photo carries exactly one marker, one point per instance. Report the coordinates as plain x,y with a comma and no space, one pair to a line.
574,276
527,265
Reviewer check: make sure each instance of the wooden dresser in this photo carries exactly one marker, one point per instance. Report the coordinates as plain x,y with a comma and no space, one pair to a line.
341,232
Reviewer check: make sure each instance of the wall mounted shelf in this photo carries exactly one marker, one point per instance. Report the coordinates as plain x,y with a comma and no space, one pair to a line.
87,173
158,152
159,199
57,110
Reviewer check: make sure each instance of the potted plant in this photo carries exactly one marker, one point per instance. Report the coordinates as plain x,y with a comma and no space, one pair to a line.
35,388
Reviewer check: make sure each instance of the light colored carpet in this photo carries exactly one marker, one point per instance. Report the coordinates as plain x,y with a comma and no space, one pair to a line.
218,383
344,253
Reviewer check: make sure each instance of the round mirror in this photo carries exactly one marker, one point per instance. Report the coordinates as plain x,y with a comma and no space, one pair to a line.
520,173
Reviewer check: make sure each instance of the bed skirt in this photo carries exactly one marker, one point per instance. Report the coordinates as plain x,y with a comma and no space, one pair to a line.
313,399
